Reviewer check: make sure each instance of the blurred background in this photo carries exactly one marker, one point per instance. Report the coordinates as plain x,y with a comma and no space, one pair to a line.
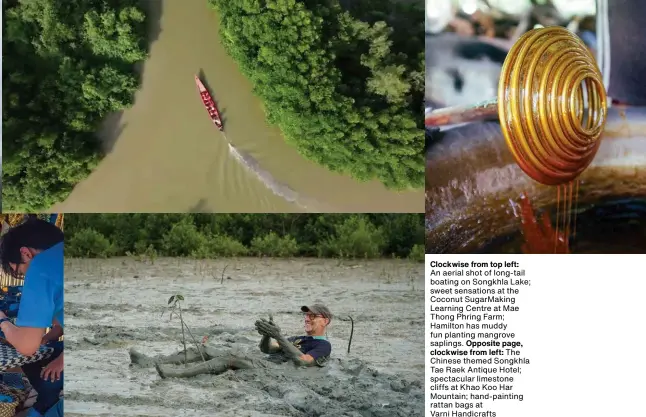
467,41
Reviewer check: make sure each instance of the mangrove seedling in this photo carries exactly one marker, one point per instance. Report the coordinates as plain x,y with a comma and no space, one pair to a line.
175,307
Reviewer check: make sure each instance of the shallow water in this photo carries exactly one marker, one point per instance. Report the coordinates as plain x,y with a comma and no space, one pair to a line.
166,155
113,305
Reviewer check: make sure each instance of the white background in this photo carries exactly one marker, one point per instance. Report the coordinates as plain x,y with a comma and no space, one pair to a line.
581,323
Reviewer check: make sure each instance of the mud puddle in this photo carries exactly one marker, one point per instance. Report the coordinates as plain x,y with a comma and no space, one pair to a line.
113,305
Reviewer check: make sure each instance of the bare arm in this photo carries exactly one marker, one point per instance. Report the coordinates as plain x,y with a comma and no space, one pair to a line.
54,333
307,359
26,340
268,346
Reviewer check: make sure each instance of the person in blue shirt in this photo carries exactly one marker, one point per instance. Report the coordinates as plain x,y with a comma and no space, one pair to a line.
33,251
311,349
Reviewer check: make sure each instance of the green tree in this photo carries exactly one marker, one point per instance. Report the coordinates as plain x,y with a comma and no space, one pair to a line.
343,89
67,64
401,232
417,253
356,237
226,235
223,245
88,243
183,239
273,245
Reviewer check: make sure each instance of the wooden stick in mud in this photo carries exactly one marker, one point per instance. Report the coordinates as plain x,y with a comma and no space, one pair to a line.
351,333
225,268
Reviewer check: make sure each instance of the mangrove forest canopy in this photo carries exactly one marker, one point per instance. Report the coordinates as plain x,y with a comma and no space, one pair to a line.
342,79
223,235
66,66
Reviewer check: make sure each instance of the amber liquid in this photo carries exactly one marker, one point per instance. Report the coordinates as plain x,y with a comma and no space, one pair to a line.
567,195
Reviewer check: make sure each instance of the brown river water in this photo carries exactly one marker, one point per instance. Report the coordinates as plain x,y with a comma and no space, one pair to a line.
166,155
114,305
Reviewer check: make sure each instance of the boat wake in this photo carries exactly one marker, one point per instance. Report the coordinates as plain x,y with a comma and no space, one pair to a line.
278,188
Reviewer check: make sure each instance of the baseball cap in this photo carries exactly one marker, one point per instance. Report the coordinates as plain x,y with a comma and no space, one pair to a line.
318,309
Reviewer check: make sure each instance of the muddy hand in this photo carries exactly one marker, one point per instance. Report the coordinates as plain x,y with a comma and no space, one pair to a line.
271,321
267,329
260,328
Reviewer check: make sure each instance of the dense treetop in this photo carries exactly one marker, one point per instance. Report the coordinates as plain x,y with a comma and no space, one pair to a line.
66,65
217,235
344,85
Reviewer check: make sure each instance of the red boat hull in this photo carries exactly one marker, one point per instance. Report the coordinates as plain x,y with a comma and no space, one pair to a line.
209,104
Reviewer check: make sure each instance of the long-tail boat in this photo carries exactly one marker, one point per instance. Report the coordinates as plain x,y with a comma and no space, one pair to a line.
211,108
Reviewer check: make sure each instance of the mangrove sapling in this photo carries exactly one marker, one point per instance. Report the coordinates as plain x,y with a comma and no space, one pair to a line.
151,253
174,303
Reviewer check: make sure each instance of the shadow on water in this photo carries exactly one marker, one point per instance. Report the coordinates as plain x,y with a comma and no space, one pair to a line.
111,128
205,80
200,207
223,115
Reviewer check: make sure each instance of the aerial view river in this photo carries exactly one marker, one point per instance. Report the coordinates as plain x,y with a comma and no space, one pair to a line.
164,154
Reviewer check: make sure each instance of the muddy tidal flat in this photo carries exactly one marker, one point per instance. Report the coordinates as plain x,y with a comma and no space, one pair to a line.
116,304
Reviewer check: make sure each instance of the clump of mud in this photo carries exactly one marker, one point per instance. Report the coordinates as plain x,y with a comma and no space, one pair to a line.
343,388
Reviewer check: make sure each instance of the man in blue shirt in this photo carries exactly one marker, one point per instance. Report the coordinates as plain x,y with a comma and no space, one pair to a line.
33,251
313,349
